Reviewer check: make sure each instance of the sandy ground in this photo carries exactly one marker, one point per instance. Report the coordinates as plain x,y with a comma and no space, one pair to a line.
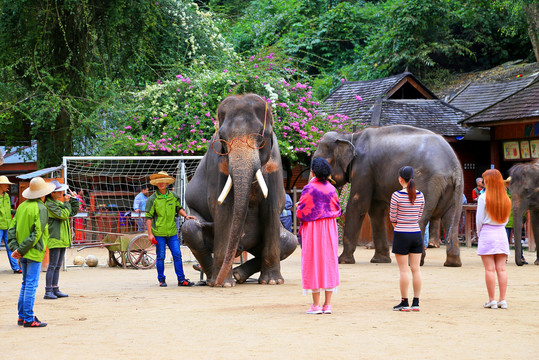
114,312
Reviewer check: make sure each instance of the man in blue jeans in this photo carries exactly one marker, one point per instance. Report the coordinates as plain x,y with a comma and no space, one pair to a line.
5,220
27,239
161,209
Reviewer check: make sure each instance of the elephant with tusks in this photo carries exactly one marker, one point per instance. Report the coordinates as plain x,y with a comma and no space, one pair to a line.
237,195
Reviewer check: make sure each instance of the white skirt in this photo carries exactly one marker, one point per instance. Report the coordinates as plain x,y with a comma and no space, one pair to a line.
492,240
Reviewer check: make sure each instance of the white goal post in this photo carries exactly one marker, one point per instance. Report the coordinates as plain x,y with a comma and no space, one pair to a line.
108,186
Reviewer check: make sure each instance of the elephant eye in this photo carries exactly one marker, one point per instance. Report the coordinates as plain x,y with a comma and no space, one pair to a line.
256,141
221,147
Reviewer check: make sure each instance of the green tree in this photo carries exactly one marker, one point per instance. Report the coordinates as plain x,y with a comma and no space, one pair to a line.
68,57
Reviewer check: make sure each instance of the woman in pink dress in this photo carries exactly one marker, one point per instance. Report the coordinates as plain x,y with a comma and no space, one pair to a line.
318,209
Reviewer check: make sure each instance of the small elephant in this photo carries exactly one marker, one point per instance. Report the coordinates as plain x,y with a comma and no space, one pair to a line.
237,195
370,160
524,187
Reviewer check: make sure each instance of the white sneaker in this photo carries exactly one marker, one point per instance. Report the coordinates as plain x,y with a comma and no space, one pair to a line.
492,304
502,304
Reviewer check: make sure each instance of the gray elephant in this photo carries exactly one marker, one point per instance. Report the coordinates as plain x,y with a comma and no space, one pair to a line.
524,187
370,160
237,195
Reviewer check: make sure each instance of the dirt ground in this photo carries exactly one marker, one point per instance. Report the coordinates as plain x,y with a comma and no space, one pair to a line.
114,312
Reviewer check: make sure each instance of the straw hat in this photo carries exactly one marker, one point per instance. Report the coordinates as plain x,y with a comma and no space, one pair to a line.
58,186
38,188
161,177
5,180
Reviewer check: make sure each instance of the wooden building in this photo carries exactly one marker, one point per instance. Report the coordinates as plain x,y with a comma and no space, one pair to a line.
513,119
403,99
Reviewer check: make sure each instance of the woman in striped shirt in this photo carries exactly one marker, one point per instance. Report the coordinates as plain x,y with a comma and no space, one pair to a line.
405,211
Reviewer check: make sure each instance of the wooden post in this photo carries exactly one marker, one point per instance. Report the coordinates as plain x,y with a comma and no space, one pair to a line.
531,235
468,226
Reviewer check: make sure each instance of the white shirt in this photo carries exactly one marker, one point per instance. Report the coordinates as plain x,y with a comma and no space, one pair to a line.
482,217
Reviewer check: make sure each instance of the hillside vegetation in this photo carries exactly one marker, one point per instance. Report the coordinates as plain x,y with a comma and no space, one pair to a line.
129,77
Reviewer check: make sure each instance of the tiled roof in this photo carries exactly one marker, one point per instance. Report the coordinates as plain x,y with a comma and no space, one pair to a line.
434,115
343,100
520,105
476,97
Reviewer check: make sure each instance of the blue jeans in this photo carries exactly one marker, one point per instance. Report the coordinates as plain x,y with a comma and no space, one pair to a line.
12,261
426,237
174,246
56,258
141,226
27,296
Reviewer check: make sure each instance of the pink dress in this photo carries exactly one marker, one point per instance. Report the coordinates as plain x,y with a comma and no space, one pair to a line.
318,209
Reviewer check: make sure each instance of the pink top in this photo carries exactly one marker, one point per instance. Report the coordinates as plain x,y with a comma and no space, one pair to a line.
318,200
402,212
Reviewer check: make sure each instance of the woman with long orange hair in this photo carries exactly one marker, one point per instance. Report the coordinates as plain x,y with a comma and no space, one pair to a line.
493,209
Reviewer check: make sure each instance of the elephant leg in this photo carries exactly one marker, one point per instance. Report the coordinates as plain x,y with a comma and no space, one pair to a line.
450,224
534,218
247,269
355,215
288,243
270,270
195,235
378,214
434,233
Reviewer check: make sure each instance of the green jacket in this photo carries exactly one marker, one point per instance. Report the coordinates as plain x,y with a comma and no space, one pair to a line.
29,230
162,209
5,211
509,224
59,229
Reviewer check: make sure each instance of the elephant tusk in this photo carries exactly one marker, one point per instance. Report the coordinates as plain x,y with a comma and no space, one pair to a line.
262,183
226,190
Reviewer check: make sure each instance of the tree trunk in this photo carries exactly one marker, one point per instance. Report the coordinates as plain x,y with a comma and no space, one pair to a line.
532,16
54,143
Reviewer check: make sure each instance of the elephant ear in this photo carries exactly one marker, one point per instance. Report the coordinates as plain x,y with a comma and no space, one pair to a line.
345,152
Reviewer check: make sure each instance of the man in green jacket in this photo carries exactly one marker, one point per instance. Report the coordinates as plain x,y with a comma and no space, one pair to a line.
5,219
161,209
27,239
61,207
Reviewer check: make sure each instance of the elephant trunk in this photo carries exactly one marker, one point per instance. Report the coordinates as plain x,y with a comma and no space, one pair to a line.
242,173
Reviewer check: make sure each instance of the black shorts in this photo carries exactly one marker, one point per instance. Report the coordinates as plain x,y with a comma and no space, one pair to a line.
407,242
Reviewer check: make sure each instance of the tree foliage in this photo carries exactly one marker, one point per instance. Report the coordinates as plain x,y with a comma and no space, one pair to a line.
368,39
65,58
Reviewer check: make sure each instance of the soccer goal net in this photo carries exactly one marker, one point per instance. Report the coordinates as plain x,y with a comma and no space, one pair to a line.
107,187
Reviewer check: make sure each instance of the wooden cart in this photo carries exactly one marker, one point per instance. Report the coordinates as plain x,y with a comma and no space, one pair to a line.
133,249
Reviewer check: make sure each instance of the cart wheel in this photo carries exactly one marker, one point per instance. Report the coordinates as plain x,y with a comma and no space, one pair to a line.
141,253
116,259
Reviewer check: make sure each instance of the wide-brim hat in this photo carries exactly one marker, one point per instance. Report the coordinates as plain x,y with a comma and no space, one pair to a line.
38,188
5,180
162,177
59,186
